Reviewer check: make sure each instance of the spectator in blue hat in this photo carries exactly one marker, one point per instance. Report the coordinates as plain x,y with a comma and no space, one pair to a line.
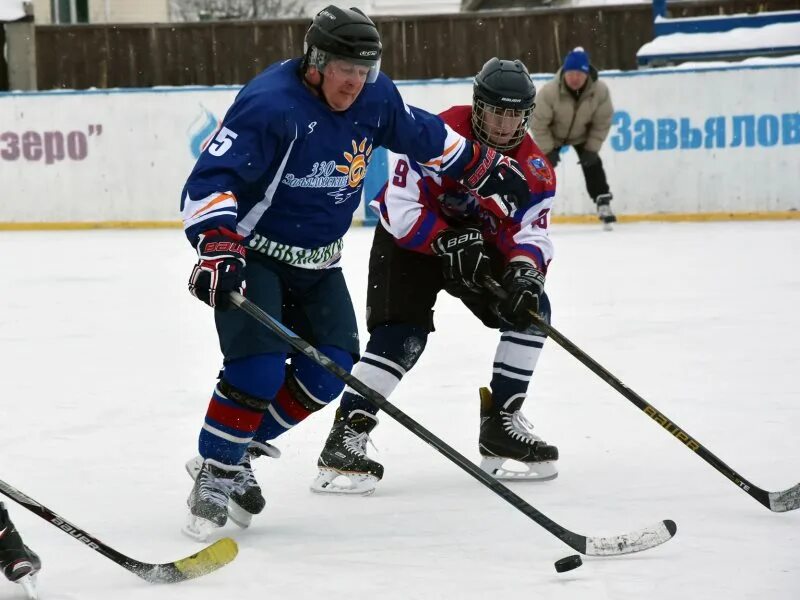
574,109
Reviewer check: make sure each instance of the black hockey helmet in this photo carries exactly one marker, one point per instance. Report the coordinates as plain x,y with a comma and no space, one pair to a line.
344,33
502,103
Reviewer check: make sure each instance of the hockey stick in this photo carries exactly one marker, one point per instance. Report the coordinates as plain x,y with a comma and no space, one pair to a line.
591,546
209,559
783,501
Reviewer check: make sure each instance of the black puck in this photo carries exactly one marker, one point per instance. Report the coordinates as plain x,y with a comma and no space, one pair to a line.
568,563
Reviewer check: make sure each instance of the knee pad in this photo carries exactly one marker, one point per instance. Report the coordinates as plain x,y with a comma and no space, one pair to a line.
260,375
400,343
312,384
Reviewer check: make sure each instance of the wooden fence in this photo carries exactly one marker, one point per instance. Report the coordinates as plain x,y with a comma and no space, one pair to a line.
415,47
3,64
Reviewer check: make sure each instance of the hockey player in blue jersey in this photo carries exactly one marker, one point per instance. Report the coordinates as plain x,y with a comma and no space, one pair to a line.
268,203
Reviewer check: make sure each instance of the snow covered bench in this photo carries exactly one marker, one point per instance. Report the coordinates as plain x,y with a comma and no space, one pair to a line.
721,37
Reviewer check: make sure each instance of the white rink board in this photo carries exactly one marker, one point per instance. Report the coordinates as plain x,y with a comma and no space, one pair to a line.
123,155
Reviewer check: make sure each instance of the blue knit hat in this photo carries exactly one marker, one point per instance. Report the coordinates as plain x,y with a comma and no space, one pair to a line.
577,60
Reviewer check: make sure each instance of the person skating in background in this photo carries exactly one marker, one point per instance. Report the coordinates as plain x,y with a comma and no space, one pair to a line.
575,109
19,563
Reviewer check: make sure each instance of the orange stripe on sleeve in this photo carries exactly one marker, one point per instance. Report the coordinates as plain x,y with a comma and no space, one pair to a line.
214,202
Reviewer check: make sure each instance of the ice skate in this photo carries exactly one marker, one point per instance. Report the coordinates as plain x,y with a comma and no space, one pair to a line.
506,436
246,498
19,563
344,457
604,211
208,500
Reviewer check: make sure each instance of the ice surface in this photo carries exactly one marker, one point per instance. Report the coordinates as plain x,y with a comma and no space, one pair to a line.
107,365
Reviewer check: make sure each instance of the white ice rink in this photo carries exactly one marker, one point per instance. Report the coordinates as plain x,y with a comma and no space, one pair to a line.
108,363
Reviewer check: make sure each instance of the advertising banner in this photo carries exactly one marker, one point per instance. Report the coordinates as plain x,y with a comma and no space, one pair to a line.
682,142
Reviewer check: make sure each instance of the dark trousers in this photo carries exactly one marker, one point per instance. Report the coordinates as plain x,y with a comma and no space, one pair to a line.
594,175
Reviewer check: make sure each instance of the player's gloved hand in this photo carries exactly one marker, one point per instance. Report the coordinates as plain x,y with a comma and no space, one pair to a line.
465,263
554,156
497,179
220,267
589,158
524,284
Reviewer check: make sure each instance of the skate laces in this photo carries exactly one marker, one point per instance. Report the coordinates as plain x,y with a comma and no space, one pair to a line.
214,489
519,428
244,479
356,442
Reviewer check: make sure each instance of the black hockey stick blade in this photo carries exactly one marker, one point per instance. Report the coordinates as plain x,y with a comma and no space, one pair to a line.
782,501
209,559
637,541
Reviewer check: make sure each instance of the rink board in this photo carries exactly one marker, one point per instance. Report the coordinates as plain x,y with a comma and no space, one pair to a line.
698,144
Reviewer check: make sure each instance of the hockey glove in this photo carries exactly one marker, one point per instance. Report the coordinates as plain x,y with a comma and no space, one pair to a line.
220,267
465,263
554,156
497,179
524,284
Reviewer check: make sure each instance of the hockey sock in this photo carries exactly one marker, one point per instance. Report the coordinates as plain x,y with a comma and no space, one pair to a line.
308,388
238,404
514,363
392,350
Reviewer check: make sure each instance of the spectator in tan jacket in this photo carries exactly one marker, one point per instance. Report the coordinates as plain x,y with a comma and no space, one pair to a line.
574,109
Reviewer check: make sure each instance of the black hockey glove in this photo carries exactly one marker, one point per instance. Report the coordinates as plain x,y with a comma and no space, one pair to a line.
497,179
589,158
524,284
554,156
220,267
465,263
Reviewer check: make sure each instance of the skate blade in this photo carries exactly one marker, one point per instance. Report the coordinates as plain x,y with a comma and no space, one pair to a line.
361,484
534,471
199,529
238,515
608,227
28,584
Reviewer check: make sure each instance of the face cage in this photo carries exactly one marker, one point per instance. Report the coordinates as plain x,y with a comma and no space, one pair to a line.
319,58
482,132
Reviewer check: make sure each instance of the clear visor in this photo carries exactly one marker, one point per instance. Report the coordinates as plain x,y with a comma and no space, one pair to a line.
500,128
365,70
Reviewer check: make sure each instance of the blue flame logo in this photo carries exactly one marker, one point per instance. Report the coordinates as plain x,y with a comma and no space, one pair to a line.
202,131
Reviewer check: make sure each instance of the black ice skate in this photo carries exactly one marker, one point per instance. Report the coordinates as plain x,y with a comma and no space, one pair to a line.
208,500
345,456
19,563
604,213
507,435
246,498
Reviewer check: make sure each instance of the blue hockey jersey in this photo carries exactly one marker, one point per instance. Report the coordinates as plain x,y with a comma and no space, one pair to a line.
284,167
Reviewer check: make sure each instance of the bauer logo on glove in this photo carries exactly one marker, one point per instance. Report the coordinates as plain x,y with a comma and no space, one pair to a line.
220,267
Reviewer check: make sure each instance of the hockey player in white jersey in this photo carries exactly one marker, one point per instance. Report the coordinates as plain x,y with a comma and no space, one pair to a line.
434,235
269,202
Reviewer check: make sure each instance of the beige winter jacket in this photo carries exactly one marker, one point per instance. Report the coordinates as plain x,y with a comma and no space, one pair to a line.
560,120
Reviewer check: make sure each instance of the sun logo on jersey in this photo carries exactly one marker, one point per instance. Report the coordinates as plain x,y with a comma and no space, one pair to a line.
356,169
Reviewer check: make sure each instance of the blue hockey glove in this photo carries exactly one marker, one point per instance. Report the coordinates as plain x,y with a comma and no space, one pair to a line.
497,179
